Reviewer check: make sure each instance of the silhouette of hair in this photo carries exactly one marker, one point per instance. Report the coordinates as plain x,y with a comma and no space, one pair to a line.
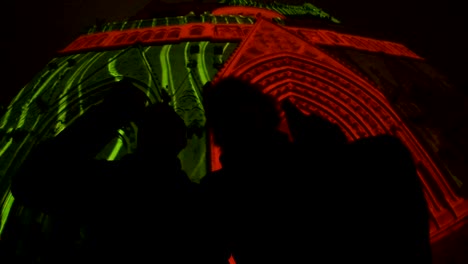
236,108
87,135
312,130
56,161
161,129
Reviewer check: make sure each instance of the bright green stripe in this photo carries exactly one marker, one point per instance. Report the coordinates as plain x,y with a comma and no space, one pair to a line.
193,84
116,149
6,207
6,146
112,70
164,66
200,163
5,118
62,105
151,77
25,107
202,70
45,84
167,72
123,25
150,72
80,94
225,47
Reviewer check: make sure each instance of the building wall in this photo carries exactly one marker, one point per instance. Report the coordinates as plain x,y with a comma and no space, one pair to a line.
427,101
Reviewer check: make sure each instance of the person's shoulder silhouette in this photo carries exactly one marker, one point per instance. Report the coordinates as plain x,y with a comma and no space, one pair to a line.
387,195
238,113
367,189
258,186
156,195
57,173
61,178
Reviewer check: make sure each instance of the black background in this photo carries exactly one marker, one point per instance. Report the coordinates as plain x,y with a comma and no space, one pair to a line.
34,30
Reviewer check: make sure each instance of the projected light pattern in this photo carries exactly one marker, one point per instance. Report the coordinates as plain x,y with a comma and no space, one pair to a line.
236,12
225,33
171,21
7,202
287,66
181,54
284,9
71,84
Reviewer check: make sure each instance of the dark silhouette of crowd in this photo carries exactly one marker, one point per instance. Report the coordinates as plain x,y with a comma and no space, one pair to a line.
315,199
308,197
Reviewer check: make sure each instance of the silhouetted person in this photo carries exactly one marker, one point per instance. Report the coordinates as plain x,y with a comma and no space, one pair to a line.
57,179
320,143
317,199
376,209
312,131
152,206
320,150
56,169
136,209
259,201
386,196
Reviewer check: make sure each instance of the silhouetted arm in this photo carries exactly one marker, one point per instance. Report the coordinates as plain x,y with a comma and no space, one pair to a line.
52,182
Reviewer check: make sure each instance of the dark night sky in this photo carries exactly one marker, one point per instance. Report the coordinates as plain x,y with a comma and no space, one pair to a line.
436,32
34,30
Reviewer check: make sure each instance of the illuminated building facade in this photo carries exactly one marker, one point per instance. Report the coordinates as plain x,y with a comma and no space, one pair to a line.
297,51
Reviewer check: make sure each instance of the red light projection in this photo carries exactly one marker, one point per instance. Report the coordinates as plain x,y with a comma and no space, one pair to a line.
287,66
231,260
159,35
247,11
225,33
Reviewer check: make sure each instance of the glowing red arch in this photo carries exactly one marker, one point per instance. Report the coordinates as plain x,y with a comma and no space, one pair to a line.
360,109
247,11
328,84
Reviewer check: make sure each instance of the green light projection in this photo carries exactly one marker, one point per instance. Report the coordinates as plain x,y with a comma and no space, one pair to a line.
7,202
125,142
113,71
71,84
284,9
116,148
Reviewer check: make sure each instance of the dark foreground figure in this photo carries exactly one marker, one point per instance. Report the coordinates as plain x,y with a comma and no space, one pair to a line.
134,210
316,199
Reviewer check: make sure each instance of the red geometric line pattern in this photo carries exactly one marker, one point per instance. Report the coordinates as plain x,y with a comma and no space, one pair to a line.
319,84
160,35
359,114
247,11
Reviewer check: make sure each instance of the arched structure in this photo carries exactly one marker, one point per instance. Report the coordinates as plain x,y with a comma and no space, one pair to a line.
342,77
289,67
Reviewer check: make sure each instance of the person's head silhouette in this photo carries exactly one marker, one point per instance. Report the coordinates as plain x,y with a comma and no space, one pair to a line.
312,131
161,130
239,113
89,133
